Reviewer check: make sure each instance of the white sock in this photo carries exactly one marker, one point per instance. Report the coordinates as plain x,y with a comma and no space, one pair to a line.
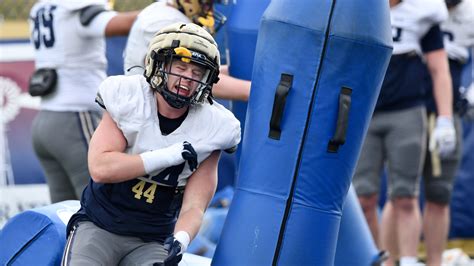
408,261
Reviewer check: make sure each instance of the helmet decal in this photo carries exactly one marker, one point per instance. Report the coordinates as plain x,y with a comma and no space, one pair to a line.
185,53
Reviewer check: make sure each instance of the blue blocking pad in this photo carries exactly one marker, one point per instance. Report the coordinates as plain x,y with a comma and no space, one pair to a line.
355,245
37,236
318,69
242,30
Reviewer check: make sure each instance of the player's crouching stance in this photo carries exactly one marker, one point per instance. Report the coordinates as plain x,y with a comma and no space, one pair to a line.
153,159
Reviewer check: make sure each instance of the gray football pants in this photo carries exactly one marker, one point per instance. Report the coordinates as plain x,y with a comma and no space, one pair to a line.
439,184
61,141
90,245
396,139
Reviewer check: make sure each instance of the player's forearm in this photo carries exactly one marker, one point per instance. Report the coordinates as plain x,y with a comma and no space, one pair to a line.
443,95
190,221
114,167
442,87
231,88
199,191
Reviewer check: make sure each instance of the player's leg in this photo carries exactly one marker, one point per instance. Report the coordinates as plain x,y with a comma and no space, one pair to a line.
389,233
406,150
45,137
366,179
89,244
438,190
79,127
146,254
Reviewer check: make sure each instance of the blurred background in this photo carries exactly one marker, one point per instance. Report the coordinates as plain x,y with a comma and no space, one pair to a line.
20,172
22,184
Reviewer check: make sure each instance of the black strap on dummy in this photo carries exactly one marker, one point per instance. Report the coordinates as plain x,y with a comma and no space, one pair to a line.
339,137
286,81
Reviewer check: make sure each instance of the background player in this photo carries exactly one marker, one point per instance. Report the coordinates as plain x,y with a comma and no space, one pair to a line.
441,166
69,41
398,126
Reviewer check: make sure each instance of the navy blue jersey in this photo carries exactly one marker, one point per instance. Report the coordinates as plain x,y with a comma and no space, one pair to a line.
402,86
413,23
115,208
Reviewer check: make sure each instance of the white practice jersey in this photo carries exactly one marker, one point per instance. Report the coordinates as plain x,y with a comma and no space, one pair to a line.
77,52
411,20
150,20
132,105
459,31
75,4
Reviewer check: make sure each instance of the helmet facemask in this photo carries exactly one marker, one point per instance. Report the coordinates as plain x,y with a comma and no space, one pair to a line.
191,75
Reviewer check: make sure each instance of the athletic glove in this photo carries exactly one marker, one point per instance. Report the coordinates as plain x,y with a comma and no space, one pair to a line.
190,155
468,103
443,137
175,251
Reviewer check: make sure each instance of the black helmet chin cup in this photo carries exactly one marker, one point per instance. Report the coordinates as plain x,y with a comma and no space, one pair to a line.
174,100
452,3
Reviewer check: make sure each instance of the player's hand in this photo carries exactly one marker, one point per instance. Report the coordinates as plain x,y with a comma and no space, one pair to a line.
175,251
443,137
190,155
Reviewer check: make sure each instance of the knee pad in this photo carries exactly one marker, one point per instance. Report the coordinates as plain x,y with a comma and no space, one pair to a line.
364,187
402,190
439,192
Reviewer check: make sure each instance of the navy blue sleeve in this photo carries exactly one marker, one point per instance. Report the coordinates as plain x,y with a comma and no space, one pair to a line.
433,40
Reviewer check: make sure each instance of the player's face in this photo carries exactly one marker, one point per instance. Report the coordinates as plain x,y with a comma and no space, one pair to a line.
187,82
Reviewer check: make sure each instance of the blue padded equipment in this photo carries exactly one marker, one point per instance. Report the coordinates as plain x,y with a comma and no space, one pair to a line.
318,69
37,236
355,245
242,29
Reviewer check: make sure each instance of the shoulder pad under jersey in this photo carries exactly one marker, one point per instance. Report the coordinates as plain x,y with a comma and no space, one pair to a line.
88,13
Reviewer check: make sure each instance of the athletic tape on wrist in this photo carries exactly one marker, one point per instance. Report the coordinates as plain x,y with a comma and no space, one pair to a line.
183,238
162,158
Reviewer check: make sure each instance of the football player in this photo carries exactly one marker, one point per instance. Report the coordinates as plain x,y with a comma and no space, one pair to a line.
398,126
69,41
441,166
153,159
